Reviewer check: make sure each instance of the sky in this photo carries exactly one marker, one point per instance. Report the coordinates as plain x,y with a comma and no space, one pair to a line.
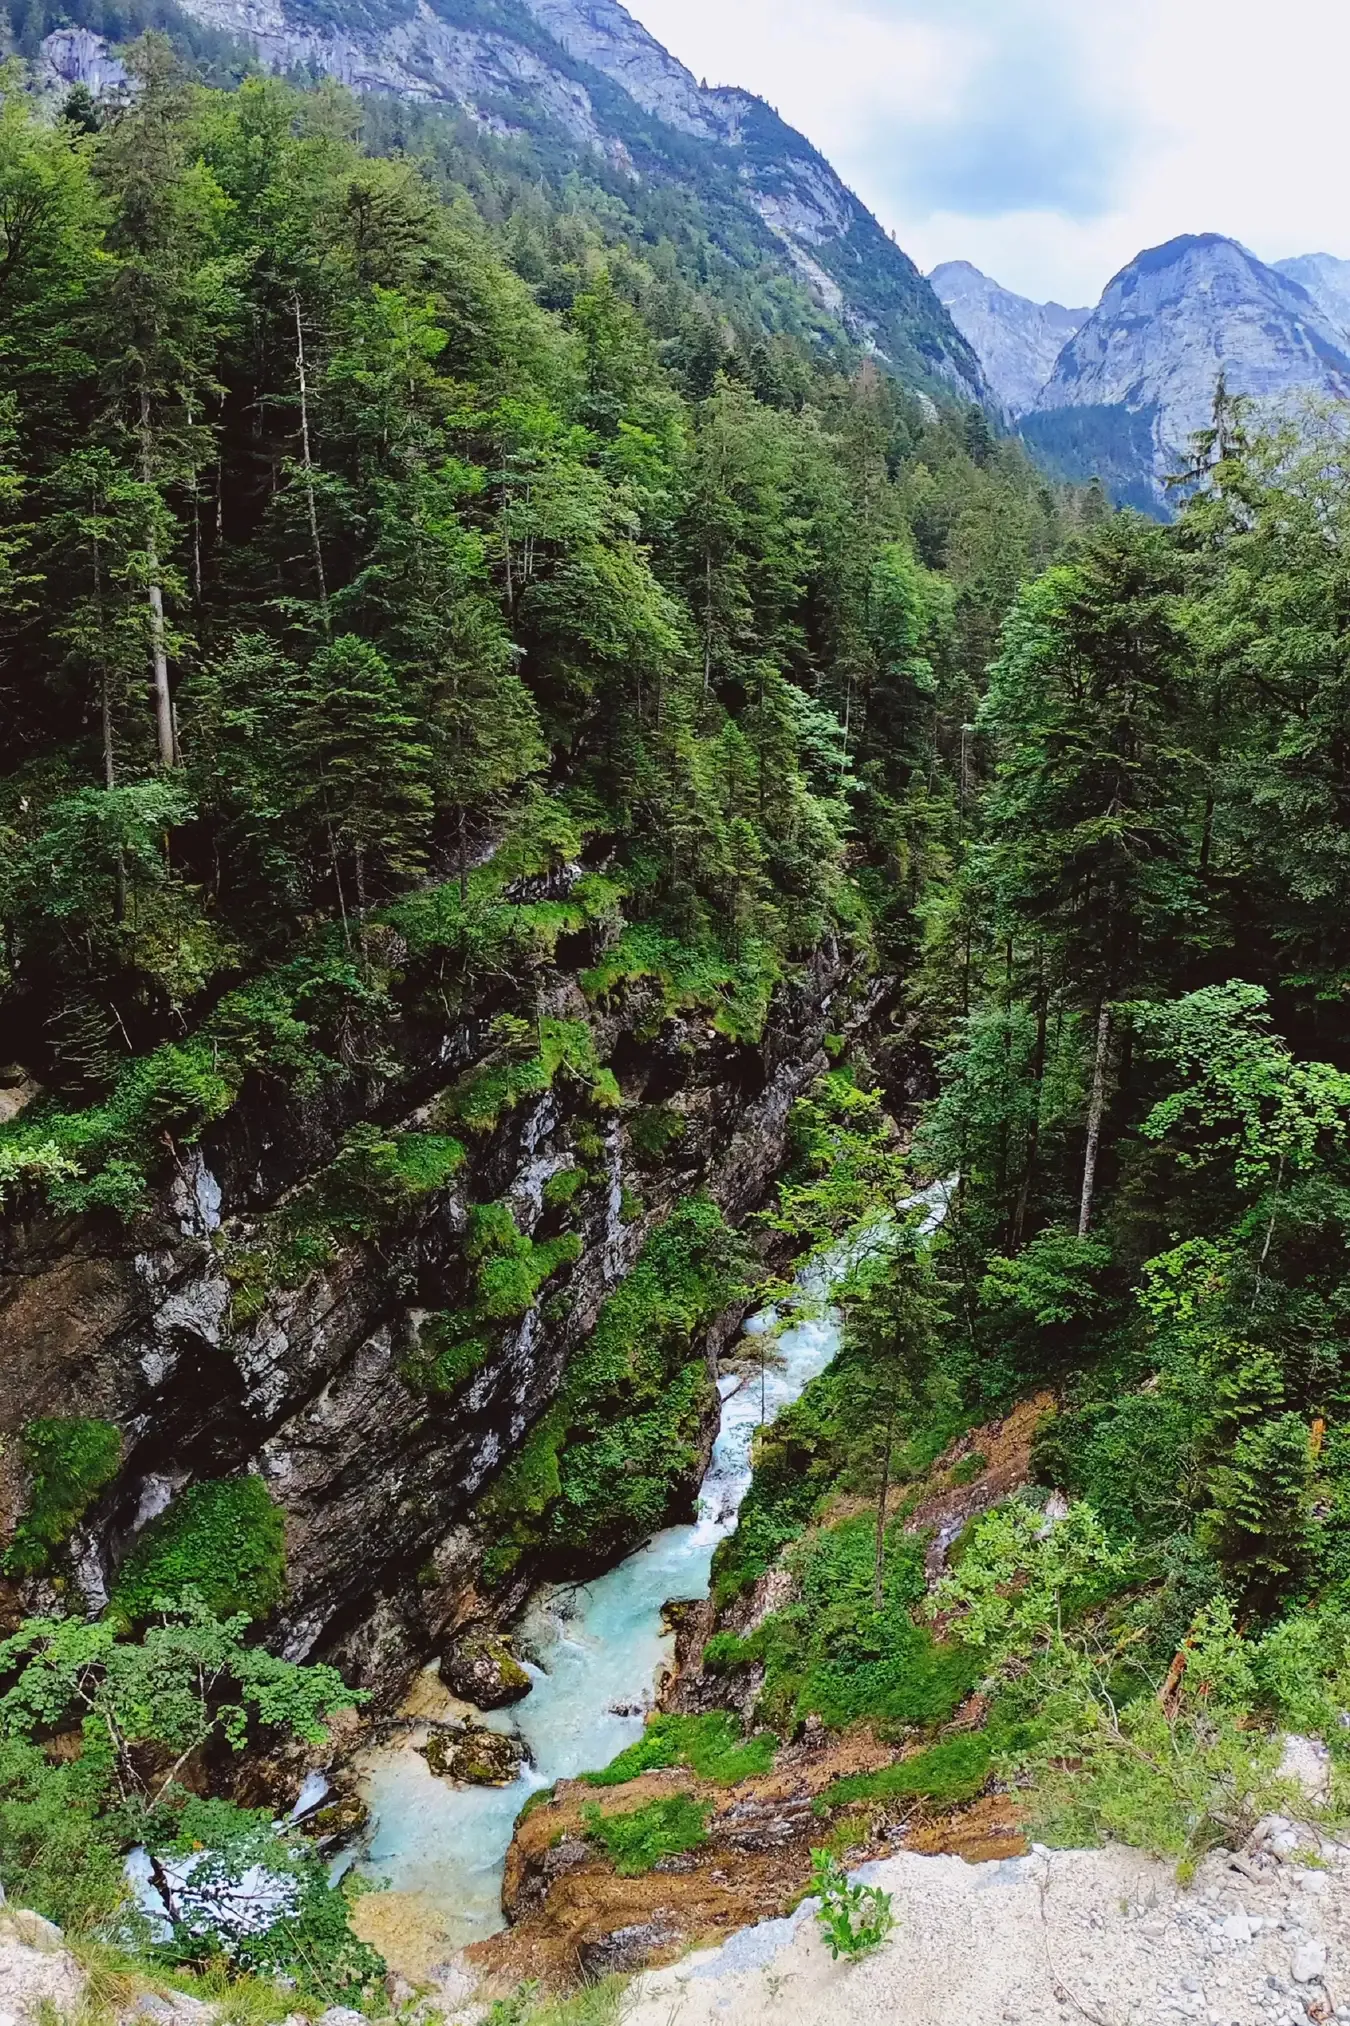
1049,141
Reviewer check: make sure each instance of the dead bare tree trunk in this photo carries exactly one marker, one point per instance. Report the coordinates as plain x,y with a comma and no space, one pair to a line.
165,736
307,461
1096,1112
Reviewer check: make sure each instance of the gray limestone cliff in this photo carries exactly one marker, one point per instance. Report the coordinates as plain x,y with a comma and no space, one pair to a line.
1016,341
1327,281
222,1334
1138,380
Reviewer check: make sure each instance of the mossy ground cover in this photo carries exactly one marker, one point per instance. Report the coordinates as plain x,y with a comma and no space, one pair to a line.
710,1745
832,1654
67,1461
377,1179
948,1773
224,1539
734,990
635,1843
600,1471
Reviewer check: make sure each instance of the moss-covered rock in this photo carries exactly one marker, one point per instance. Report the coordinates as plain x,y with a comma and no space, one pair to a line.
481,1669
480,1758
226,1540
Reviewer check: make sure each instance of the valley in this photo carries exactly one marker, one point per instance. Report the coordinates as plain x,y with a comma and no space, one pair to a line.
675,1089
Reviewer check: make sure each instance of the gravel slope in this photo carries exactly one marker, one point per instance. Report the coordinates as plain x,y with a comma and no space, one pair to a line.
1103,1935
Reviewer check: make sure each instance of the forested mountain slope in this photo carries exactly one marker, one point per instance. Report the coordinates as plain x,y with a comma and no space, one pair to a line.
444,650
537,795
587,91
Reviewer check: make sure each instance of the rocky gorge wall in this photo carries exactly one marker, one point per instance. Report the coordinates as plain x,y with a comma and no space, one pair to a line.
226,1330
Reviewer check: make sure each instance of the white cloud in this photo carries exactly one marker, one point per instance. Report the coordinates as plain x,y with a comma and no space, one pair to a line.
1050,140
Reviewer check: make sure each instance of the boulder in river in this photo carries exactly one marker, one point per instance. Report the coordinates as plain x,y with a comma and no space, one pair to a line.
481,1758
481,1668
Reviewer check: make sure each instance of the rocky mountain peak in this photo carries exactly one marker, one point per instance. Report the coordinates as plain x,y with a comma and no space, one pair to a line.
1137,381
1017,341
1327,281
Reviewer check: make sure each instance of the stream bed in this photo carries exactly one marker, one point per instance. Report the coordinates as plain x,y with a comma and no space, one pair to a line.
595,1651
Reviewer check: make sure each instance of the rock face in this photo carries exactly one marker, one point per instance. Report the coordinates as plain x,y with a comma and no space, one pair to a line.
1139,378
313,1385
1327,281
587,71
1016,341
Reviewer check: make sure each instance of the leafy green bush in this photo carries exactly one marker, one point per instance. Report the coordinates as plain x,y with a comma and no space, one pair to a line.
511,1268
58,1855
68,1462
710,1745
564,1187
482,1098
225,1540
832,1654
853,1919
955,1770
636,1843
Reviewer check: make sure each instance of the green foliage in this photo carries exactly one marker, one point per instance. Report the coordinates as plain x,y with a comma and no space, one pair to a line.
309,1939
485,1095
635,1843
831,1653
946,1774
710,1745
654,1129
853,1919
68,1462
57,1855
602,1469
511,1268
188,1682
224,1541
562,1189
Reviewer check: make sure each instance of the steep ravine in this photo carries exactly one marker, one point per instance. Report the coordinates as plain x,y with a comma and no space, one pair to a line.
158,1328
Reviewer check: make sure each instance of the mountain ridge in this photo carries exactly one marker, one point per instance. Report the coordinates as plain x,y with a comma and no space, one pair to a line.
1016,339
585,75
1137,381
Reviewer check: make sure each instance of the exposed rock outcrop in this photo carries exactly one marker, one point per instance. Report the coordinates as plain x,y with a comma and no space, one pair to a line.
311,1379
1016,341
1138,380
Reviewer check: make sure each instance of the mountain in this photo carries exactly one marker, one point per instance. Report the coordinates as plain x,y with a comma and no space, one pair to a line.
1016,341
587,87
1138,379
1327,281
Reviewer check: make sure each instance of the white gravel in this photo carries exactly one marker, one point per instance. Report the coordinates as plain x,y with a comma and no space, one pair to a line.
1102,1935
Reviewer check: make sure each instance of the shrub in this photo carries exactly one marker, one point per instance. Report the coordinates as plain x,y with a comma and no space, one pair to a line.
834,1655
57,1855
854,1919
637,1842
224,1539
69,1461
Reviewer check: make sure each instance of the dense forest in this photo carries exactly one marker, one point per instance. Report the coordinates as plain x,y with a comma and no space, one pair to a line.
372,510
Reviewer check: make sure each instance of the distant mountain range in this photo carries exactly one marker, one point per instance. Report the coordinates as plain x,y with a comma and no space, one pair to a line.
1017,341
1135,379
587,86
